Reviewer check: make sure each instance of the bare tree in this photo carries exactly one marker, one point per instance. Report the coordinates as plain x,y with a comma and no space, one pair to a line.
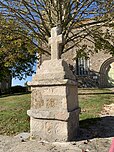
80,20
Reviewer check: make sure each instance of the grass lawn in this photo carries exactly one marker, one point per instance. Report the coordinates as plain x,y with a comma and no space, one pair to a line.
92,102
13,114
13,109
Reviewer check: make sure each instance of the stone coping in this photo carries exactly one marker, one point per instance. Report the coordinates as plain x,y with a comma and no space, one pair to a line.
53,115
52,82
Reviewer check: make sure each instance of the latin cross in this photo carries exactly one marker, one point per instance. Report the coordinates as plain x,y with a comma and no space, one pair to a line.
55,41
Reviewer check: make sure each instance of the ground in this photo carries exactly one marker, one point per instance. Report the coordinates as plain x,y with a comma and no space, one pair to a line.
95,139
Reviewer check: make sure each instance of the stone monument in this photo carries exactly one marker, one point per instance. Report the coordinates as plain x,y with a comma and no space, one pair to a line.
54,112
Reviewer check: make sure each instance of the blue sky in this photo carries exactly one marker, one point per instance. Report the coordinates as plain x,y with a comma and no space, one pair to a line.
22,82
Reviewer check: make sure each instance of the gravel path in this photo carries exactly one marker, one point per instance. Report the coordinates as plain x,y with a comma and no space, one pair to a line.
95,139
8,144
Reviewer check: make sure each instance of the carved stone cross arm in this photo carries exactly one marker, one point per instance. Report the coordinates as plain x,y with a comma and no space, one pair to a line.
55,41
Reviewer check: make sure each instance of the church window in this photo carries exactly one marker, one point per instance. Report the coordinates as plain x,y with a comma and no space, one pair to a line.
82,66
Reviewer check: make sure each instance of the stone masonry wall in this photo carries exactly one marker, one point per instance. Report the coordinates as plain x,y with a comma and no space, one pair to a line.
97,60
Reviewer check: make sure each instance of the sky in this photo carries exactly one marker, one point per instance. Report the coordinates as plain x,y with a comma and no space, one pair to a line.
16,82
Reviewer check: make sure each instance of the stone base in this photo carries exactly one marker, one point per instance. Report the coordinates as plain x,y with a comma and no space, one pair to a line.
54,113
55,130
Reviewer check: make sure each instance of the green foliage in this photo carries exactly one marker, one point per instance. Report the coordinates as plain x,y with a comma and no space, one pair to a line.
17,53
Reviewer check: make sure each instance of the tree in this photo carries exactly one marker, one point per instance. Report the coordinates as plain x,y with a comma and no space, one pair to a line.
80,20
17,53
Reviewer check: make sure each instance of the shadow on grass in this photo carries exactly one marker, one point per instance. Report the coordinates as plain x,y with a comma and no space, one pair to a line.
96,128
14,94
95,93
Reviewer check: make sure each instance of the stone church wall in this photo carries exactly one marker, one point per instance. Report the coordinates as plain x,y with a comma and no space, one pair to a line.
95,62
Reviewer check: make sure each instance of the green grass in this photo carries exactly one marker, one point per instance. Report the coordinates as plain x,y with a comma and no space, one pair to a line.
92,102
13,109
13,114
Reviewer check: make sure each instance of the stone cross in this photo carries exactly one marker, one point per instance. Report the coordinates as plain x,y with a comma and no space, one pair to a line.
55,41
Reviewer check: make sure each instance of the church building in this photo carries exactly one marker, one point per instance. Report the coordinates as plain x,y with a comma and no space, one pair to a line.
95,71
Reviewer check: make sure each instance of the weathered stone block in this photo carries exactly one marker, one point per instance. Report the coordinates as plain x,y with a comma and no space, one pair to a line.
55,129
54,108
57,69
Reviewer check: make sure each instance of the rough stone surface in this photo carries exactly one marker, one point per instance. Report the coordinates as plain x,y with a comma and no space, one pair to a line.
55,130
54,69
55,40
12,144
54,112
23,136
